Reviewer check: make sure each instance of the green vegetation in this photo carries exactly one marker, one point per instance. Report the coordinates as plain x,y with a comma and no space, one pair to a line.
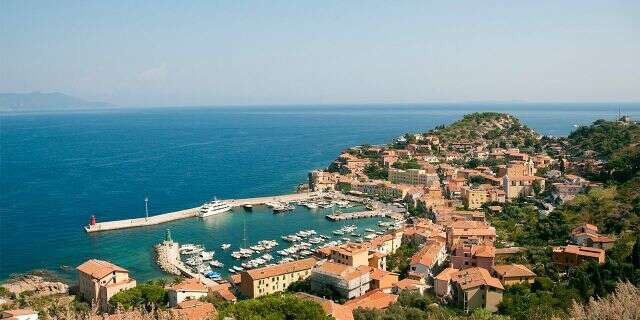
399,261
149,295
411,305
325,291
498,129
409,164
376,171
273,307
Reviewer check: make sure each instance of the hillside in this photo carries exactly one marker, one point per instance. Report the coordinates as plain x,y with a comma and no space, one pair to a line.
494,129
38,101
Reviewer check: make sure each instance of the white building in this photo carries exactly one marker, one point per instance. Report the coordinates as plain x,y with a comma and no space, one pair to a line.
19,314
349,281
188,289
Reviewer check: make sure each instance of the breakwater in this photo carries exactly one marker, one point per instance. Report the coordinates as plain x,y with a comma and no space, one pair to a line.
189,213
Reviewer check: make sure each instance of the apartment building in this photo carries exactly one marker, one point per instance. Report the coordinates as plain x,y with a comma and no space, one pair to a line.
262,281
474,255
571,255
350,282
412,176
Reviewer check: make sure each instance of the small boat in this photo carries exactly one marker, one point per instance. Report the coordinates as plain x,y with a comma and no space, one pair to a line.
225,246
216,264
369,230
248,207
231,270
238,268
206,255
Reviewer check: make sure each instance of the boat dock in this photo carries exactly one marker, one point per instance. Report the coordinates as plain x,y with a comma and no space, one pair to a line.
193,212
356,215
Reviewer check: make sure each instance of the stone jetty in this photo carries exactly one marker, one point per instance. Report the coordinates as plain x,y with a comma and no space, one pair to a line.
168,255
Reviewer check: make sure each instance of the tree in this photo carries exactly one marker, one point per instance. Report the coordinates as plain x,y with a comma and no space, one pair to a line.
273,307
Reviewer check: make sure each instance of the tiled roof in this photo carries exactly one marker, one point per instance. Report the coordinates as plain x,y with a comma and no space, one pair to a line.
339,270
224,290
18,312
338,311
98,269
408,283
513,270
375,299
194,310
281,269
474,277
126,315
190,284
446,274
582,251
428,255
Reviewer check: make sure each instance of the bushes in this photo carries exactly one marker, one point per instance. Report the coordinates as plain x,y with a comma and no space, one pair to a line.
148,295
277,306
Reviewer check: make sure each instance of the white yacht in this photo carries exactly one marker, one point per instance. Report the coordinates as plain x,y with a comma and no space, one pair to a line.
214,207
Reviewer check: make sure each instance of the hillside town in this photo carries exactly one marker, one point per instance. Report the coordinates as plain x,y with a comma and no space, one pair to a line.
457,242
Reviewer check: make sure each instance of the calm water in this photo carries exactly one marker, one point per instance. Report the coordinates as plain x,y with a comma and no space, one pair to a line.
57,169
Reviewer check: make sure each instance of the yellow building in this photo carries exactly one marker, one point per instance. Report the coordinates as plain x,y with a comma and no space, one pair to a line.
510,274
259,282
474,198
99,280
351,254
412,176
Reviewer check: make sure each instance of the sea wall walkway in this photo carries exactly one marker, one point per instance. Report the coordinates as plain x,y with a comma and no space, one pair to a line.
188,213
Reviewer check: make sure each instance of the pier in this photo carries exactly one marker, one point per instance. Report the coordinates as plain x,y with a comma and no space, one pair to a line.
193,212
356,215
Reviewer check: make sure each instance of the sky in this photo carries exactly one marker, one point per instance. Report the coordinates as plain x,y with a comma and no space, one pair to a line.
175,53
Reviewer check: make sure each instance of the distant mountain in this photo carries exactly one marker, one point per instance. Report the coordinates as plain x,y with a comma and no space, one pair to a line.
38,101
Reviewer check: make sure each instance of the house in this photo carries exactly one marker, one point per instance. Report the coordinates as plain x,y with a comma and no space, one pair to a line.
510,274
429,257
516,185
224,291
348,281
194,310
442,282
262,281
587,235
374,299
474,255
571,255
410,284
187,289
380,279
99,280
469,232
475,288
19,314
337,311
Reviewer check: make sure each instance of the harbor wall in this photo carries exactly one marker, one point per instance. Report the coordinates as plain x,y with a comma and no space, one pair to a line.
193,212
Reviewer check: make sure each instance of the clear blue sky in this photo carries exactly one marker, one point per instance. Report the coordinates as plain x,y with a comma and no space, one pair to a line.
281,52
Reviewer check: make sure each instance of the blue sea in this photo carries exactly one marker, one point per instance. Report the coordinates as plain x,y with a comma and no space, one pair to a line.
56,169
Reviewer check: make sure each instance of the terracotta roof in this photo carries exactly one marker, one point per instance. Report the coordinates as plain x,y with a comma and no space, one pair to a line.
513,270
375,299
190,284
582,251
446,274
98,269
474,277
408,284
126,315
338,311
376,273
488,251
350,249
235,278
339,270
280,269
18,312
224,291
595,237
428,255
194,310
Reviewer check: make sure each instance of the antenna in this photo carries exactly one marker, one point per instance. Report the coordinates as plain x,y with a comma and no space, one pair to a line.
146,208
